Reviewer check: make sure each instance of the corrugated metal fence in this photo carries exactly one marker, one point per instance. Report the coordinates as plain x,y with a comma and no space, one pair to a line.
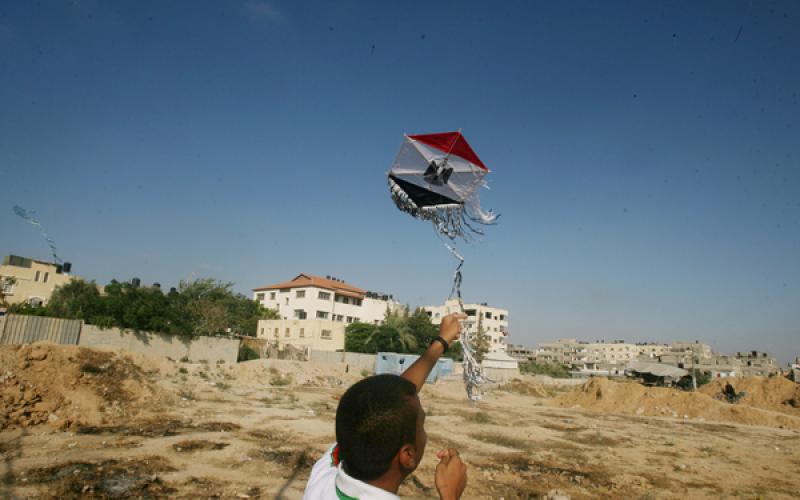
20,329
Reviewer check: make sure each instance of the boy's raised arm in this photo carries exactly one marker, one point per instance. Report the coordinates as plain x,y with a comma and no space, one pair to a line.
449,331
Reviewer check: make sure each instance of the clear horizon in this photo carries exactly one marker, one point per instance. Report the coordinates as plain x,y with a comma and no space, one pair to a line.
645,157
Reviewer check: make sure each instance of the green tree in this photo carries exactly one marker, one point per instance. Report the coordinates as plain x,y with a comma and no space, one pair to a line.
480,342
76,299
200,307
423,329
356,336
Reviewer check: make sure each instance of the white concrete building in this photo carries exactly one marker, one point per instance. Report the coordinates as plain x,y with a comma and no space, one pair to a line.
314,297
494,322
315,311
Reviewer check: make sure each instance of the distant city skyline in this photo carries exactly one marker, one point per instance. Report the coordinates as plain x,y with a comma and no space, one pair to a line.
645,157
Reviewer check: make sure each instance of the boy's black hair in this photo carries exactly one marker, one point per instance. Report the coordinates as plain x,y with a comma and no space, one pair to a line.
375,418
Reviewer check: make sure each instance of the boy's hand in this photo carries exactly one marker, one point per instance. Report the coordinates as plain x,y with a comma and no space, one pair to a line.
451,475
450,329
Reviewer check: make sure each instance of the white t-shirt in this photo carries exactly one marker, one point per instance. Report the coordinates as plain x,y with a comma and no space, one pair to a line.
330,482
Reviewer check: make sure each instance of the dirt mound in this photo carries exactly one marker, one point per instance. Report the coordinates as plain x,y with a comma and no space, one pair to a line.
67,386
524,387
603,395
769,393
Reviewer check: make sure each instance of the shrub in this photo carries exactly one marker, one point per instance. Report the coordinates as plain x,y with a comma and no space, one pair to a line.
246,353
551,369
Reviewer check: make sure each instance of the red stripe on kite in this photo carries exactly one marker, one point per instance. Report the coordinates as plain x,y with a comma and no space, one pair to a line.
450,143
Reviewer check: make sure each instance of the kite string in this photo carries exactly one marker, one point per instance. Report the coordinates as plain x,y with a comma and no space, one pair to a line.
472,370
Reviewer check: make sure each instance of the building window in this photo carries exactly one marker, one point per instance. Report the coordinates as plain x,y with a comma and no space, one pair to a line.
300,294
276,332
470,312
46,275
259,296
324,296
502,317
322,315
325,334
302,332
36,278
262,332
488,315
349,319
286,290
286,333
357,302
271,295
300,314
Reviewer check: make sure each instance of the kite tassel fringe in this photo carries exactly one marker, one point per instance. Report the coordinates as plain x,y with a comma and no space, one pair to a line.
453,221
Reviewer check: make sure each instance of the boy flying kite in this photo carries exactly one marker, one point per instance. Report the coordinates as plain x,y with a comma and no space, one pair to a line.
380,434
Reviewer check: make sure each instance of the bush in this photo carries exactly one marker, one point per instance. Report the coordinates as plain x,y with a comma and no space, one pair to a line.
703,378
551,369
246,353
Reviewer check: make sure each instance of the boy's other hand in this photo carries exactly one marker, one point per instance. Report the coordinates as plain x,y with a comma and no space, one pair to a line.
451,475
450,329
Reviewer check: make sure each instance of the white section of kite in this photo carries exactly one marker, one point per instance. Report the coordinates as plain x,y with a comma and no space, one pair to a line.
436,177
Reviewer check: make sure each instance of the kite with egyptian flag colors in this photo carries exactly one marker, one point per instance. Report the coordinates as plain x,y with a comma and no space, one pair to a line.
436,177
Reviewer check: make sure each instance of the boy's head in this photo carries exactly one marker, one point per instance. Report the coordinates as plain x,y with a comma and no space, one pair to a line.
380,423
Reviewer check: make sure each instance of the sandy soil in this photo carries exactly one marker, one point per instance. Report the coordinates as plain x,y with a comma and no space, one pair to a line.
111,425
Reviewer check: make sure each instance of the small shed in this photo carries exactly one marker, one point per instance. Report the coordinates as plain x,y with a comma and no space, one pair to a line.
655,373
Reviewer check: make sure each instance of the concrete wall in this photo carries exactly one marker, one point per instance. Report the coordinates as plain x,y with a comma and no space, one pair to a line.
21,329
211,349
355,360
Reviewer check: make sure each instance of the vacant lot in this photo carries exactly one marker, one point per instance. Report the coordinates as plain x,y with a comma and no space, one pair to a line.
82,423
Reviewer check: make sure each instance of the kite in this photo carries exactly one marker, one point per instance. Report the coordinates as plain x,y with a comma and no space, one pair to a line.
29,217
436,177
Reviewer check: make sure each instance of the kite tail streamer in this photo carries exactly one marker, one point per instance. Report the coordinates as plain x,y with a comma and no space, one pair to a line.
451,220
29,217
474,375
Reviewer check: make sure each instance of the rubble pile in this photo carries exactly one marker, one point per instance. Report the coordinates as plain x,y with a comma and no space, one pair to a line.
768,393
66,386
627,398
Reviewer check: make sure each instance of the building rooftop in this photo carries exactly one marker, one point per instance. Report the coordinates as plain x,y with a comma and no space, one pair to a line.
328,283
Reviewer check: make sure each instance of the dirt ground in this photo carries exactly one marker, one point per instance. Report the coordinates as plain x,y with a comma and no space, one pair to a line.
95,424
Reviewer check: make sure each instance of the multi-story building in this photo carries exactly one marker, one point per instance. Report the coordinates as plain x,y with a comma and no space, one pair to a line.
313,297
31,281
493,321
601,358
521,352
315,310
755,363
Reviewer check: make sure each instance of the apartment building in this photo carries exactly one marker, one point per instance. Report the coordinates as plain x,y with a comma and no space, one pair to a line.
599,358
493,320
314,311
329,298
31,281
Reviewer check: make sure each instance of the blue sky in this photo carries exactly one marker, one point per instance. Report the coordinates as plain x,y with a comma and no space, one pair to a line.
645,155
